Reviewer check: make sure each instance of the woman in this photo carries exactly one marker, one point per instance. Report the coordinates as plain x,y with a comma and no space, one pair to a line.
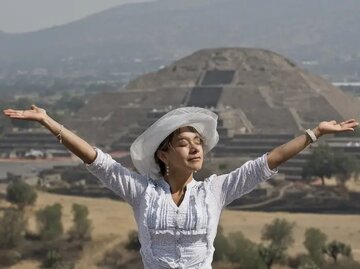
177,217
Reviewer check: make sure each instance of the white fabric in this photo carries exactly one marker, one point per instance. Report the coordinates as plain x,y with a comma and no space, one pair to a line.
172,236
143,148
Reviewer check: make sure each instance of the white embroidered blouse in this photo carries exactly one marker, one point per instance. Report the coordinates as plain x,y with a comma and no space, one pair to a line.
172,236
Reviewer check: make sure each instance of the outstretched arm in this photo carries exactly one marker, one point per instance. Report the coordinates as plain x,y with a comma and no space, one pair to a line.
286,151
74,143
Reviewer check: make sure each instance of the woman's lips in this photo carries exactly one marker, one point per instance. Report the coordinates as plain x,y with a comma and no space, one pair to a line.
194,159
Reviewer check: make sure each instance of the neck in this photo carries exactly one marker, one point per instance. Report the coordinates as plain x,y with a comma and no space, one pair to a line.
178,181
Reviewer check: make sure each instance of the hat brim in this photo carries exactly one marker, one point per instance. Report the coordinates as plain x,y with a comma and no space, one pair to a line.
143,148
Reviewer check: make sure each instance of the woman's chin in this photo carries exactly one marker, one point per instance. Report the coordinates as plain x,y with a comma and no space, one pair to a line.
195,168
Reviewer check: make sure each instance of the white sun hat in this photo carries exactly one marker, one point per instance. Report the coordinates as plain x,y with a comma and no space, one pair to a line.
143,148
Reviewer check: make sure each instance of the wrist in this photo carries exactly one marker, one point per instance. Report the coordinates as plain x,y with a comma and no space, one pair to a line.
45,121
317,132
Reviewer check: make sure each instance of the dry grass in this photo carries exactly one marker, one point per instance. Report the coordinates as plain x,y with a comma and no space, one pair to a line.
340,227
112,221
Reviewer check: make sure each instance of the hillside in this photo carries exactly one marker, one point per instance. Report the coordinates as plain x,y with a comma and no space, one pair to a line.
157,33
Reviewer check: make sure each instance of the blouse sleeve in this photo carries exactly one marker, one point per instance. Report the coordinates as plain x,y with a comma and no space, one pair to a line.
228,187
127,184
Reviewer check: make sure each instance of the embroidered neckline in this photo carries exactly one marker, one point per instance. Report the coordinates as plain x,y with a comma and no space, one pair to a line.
162,182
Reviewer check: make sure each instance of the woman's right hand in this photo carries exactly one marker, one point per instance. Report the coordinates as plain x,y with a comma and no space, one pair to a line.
33,114
74,143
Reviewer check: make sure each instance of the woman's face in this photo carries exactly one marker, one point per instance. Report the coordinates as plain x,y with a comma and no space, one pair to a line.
185,152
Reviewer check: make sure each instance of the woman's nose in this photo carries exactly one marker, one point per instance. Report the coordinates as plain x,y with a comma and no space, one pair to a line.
194,147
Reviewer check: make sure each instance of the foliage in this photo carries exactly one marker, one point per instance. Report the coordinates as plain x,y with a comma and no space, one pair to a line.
53,259
325,162
221,245
243,251
345,166
133,242
336,248
49,221
344,263
308,263
82,225
320,163
9,257
314,243
279,233
12,227
271,254
21,194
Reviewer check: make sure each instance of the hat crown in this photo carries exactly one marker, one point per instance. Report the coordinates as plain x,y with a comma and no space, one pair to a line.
143,148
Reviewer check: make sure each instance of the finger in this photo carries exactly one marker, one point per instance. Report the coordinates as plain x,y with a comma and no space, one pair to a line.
333,122
351,124
347,121
9,110
33,107
17,113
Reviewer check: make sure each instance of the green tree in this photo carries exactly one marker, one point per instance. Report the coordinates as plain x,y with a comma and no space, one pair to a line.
336,248
320,163
82,225
221,245
345,166
21,194
279,233
308,263
55,259
244,252
133,242
271,254
49,221
315,241
12,228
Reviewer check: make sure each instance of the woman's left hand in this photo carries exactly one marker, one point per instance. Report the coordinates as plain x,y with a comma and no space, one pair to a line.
332,127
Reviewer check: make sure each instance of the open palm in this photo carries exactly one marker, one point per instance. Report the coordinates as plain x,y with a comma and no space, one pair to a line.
331,127
33,114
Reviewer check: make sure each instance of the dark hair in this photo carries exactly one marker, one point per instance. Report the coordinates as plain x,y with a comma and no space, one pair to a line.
165,144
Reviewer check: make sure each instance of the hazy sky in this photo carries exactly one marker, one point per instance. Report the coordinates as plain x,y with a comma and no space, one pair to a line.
29,15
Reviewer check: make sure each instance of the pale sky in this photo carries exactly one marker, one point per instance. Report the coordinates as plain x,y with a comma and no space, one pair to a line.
18,16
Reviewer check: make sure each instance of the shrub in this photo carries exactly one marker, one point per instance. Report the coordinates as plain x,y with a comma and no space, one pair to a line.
21,194
335,248
133,242
49,221
315,241
82,225
9,258
243,251
221,245
279,233
12,228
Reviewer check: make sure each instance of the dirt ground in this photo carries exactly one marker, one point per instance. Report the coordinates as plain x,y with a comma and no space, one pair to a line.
112,220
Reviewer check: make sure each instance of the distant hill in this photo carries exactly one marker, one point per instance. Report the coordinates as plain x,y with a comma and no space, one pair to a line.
157,33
